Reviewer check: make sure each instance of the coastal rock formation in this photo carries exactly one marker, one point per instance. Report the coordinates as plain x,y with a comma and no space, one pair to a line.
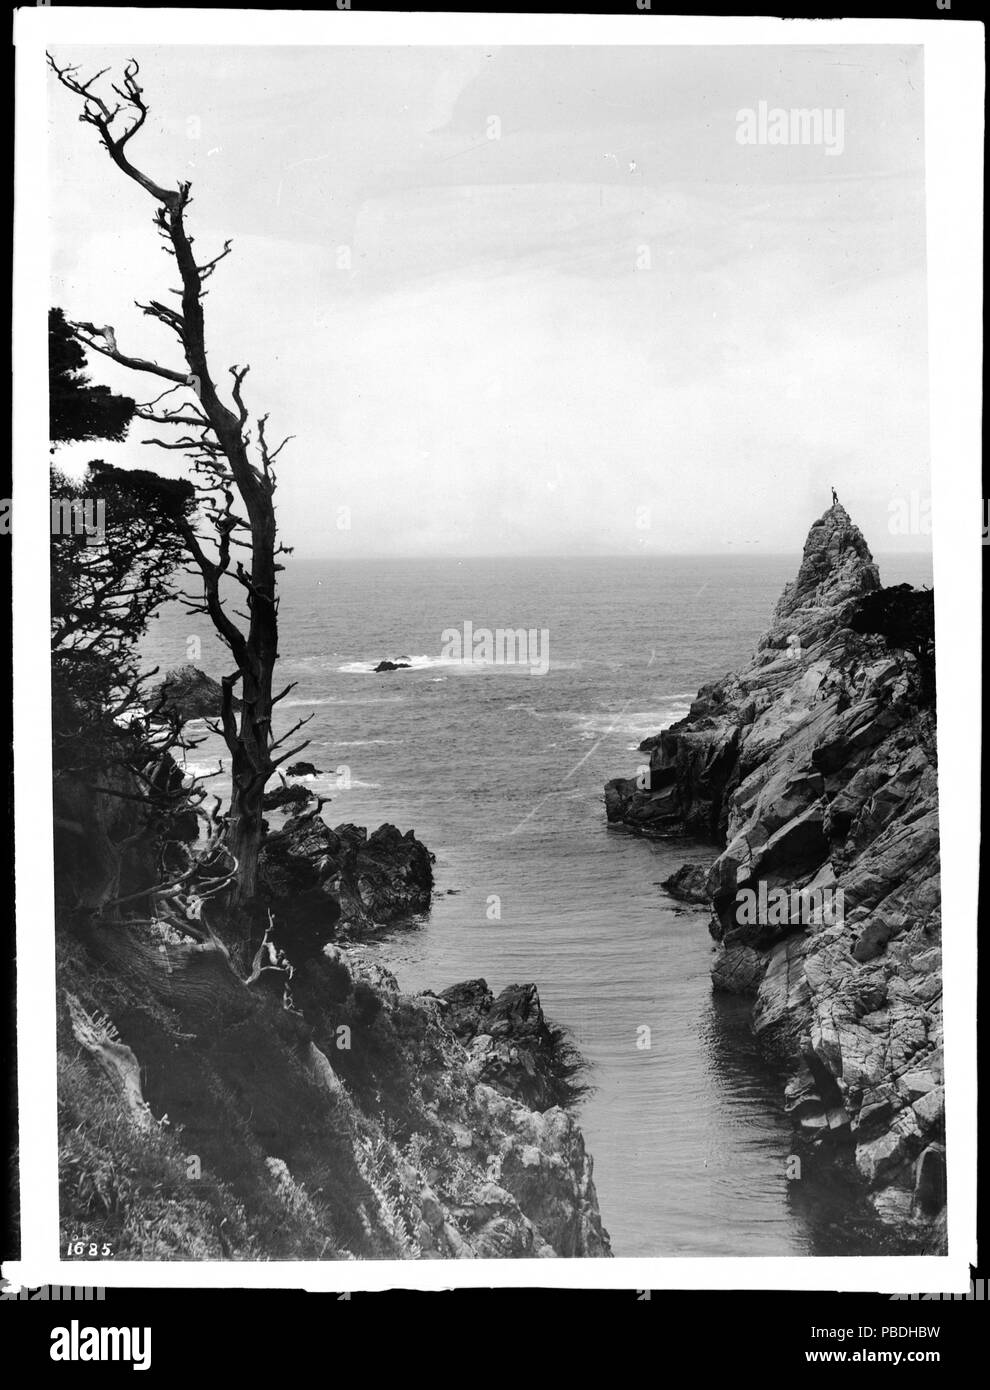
310,1111
297,1105
313,876
512,1046
189,692
814,769
689,883
286,794
387,665
293,1104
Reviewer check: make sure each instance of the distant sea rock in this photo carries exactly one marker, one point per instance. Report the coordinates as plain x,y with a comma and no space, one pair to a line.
302,770
189,692
392,666
814,768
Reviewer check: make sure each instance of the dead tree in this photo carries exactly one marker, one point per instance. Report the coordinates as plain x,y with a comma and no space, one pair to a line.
234,474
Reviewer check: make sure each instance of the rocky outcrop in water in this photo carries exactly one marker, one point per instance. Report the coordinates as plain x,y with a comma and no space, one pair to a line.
313,876
190,693
512,1046
814,769
689,883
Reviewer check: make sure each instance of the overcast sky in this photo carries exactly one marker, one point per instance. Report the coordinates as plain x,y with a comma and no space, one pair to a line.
527,300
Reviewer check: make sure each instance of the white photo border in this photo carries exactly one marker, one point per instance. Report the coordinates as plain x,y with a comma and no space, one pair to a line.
954,83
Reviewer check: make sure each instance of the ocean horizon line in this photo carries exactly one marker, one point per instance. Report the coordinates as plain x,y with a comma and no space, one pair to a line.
619,555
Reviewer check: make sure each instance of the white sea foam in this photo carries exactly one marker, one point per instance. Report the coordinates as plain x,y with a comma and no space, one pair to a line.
638,724
367,668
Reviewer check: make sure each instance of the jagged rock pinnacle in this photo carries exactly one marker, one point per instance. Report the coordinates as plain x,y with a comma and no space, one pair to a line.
813,767
836,570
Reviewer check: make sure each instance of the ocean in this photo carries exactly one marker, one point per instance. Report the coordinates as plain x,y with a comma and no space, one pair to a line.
499,769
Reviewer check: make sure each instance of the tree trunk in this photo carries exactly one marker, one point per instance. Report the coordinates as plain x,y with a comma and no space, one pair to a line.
244,839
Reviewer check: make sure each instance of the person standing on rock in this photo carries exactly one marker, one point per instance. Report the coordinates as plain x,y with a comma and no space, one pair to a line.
835,498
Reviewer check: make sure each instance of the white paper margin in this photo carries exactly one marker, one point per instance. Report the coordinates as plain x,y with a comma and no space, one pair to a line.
954,79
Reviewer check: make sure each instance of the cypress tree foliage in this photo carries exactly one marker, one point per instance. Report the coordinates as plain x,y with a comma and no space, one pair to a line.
905,618
77,409
103,595
115,546
104,587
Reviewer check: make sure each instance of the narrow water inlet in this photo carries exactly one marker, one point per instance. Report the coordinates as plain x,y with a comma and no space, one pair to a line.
685,1125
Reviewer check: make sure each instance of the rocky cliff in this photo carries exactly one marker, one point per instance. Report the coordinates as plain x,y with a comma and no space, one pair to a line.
301,1107
813,771
317,1113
